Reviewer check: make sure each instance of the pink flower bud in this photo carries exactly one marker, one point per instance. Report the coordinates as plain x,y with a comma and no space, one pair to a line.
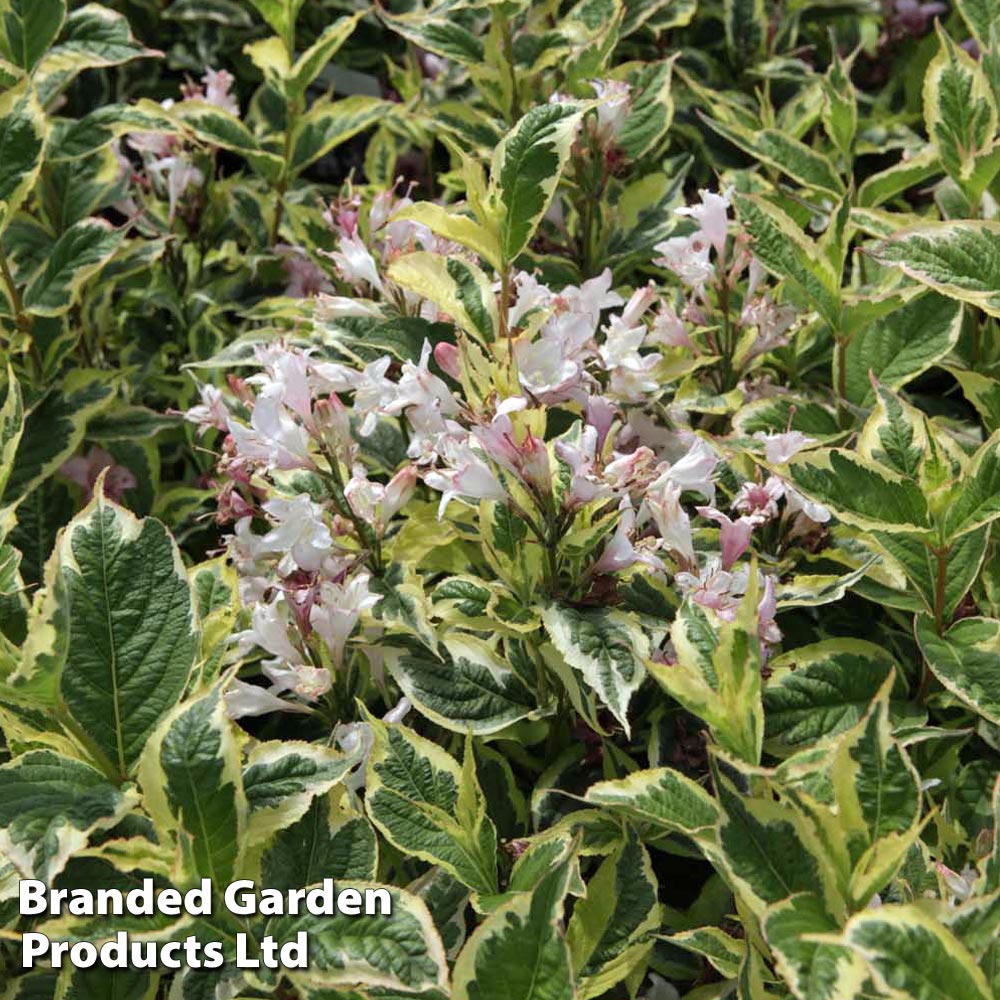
398,492
447,357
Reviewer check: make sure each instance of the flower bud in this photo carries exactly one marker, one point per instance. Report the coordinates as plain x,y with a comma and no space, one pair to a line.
447,357
398,492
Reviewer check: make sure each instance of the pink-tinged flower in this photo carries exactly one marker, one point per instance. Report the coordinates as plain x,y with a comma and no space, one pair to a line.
448,359
85,469
420,389
373,392
531,294
759,501
306,279
339,609
332,422
734,536
467,475
613,109
712,215
959,885
781,448
211,412
772,323
633,471
585,484
688,257
620,553
672,521
637,306
528,459
273,438
601,414
398,492
286,374
355,264
713,587
299,534
668,330
218,84
545,371
767,628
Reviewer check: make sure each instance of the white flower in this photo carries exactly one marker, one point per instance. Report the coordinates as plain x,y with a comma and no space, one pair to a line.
669,330
712,215
672,521
299,534
796,503
613,108
353,737
355,263
218,84
467,476
211,412
273,436
373,392
243,700
338,610
781,448
693,471
178,174
620,553
545,371
269,624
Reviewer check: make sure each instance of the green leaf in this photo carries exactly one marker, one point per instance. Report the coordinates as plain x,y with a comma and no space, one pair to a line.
329,123
768,849
786,251
49,807
519,951
899,347
886,184
982,17
860,492
813,970
22,140
440,34
132,639
717,673
455,286
105,124
959,112
400,953
662,797
821,690
610,931
784,153
117,984
454,226
281,779
53,429
526,169
313,61
745,23
911,954
216,127
11,427
329,841
29,28
470,688
281,16
418,797
606,647
958,259
976,496
77,255
966,660
192,785
651,111
93,36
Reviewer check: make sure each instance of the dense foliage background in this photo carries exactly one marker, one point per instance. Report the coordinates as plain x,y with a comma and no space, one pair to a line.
540,457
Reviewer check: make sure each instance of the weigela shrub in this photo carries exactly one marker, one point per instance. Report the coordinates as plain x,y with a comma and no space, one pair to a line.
538,458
